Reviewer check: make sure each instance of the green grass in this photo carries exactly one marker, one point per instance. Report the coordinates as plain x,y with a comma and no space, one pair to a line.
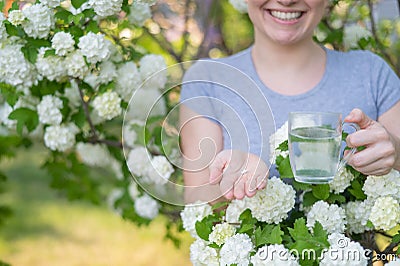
46,229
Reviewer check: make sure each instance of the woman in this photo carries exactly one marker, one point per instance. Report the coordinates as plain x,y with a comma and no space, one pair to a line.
294,74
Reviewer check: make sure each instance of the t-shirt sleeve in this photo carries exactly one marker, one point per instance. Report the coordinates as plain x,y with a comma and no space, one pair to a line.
199,93
385,84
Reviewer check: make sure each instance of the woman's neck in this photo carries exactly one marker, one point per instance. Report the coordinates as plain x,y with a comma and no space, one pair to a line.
289,70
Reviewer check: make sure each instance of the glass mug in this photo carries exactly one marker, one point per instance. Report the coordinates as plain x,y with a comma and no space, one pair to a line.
315,140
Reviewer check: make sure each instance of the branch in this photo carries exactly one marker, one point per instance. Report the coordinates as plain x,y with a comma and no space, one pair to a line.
375,34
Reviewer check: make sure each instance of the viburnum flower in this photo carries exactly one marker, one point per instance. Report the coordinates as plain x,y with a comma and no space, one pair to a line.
239,5
60,137
386,185
138,161
15,69
236,250
203,255
49,110
159,171
352,34
343,251
62,43
220,233
192,213
152,70
72,94
357,215
129,134
51,67
139,13
144,104
332,217
273,255
40,21
108,105
16,17
128,80
51,3
94,47
133,190
385,214
5,111
341,181
105,8
93,154
76,65
3,31
113,196
275,140
107,72
146,207
273,203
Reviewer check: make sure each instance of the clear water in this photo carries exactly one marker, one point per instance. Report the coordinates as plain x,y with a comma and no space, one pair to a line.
314,154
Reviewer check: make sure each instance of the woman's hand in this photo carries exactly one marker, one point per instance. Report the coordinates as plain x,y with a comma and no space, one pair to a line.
238,173
379,155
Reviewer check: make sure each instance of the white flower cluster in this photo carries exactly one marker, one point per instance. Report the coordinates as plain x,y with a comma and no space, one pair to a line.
234,209
105,8
341,181
275,140
159,171
128,80
385,214
107,72
108,105
236,250
76,65
332,217
133,190
40,20
51,3
94,47
273,203
220,233
146,103
146,207
49,110
93,154
151,170
62,43
386,185
51,67
273,255
139,13
193,213
16,17
60,137
203,255
153,71
357,215
343,251
3,31
129,135
112,197
15,69
239,5
352,34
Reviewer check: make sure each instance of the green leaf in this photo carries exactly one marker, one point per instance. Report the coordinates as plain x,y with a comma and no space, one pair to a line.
79,118
77,3
370,224
336,198
396,238
309,199
30,53
270,234
2,5
283,166
25,117
204,227
76,33
93,27
321,191
284,146
62,14
356,190
50,52
299,230
14,30
10,93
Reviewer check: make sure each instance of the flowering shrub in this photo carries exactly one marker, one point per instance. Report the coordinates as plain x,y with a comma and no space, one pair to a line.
325,226
68,70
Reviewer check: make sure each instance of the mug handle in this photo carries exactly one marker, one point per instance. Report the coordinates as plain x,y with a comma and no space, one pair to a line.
344,160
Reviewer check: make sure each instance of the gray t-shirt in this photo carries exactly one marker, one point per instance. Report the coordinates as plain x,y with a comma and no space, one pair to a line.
249,112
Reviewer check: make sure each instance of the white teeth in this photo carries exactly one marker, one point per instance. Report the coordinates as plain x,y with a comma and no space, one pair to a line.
286,15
